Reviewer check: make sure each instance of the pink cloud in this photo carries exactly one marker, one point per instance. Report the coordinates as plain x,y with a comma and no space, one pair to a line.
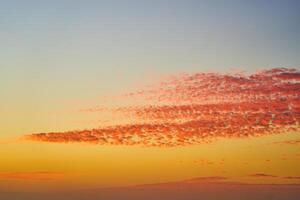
200,108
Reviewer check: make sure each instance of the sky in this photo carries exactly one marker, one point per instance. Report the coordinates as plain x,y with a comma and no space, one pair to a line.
97,94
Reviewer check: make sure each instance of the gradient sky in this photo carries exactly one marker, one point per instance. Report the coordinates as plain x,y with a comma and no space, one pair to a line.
59,51
58,58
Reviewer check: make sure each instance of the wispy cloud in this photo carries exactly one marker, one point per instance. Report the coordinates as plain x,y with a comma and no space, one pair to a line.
292,177
206,179
262,175
200,108
39,175
289,142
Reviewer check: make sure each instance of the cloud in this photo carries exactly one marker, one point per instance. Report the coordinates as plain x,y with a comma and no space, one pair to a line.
200,108
194,182
215,181
206,179
39,175
261,175
293,177
209,88
289,142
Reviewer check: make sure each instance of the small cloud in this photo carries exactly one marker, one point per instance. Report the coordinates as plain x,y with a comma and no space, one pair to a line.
194,182
293,177
204,162
261,175
206,179
289,142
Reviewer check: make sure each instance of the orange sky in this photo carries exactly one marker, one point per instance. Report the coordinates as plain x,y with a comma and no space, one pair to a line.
154,141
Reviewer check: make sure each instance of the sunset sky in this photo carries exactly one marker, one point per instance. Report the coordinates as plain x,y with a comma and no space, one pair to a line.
149,94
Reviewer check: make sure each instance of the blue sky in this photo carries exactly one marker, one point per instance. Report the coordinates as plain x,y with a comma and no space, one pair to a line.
86,46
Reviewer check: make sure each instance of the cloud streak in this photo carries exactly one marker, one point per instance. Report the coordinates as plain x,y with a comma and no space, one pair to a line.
200,108
261,175
293,177
289,142
40,175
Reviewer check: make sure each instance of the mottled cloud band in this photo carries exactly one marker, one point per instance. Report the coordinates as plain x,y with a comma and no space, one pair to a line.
199,108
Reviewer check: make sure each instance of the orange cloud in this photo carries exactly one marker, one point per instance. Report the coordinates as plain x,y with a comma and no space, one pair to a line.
194,182
217,181
290,142
206,179
293,177
261,175
200,108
